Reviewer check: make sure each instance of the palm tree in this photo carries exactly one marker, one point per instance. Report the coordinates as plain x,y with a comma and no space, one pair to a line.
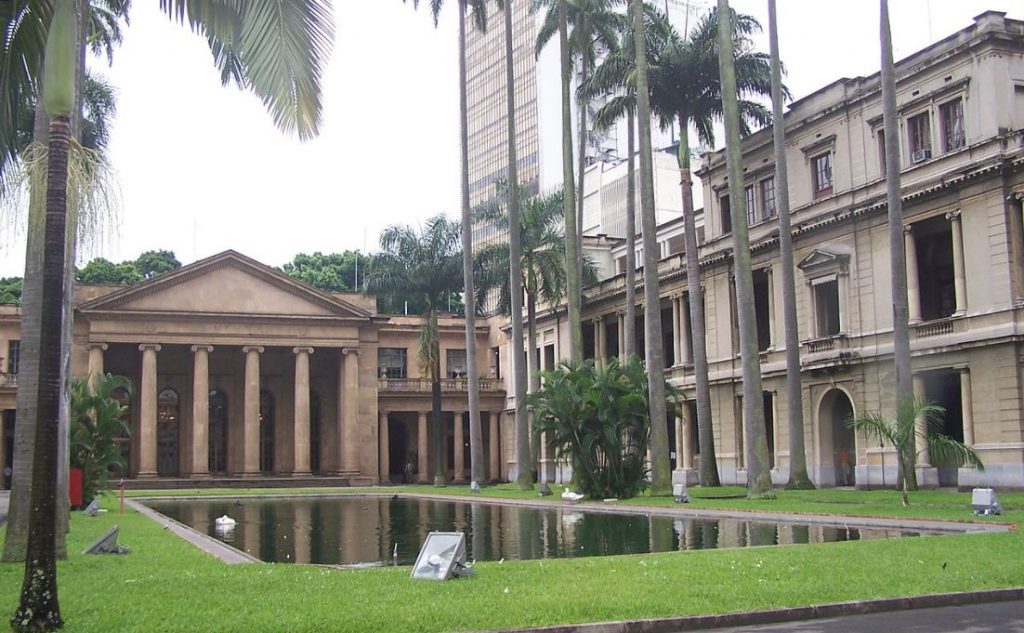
910,438
97,422
479,8
897,256
594,28
661,476
524,481
798,479
759,481
425,264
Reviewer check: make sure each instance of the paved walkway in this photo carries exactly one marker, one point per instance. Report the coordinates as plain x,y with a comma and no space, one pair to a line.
995,617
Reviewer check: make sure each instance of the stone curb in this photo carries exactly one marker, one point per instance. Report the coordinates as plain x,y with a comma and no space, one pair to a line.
206,543
774,616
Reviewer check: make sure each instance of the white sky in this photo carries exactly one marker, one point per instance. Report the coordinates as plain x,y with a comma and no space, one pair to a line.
202,168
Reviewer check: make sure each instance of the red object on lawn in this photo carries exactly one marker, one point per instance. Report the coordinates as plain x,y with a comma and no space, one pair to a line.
75,488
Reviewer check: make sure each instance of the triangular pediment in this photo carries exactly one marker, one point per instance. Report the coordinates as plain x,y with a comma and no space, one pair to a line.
819,259
227,283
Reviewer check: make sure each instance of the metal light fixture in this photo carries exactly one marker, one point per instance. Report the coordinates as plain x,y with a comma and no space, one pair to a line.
985,502
679,493
442,556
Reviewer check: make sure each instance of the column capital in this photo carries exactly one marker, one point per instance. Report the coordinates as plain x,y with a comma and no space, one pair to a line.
101,346
954,215
253,348
205,348
350,350
302,350
1018,196
153,346
908,229
383,412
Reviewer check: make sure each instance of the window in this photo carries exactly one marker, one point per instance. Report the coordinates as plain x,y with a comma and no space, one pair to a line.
821,168
726,214
768,198
391,362
952,116
13,356
826,307
919,133
456,363
751,205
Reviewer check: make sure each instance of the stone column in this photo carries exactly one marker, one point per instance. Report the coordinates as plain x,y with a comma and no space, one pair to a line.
921,427
201,410
383,449
913,283
495,456
251,424
147,411
686,353
457,446
95,364
686,426
772,337
350,445
301,430
679,424
622,336
422,475
677,339
967,404
959,268
599,352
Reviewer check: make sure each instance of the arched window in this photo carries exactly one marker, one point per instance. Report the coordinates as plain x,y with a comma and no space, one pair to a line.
218,431
167,416
267,407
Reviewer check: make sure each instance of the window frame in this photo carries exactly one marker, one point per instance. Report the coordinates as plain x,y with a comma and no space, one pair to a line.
750,197
919,140
449,354
819,189
817,284
13,355
768,211
945,108
385,371
725,213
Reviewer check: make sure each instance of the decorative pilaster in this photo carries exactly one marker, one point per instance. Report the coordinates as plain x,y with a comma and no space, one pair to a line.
622,336
913,283
967,404
251,421
495,456
686,352
200,462
772,337
301,430
147,411
421,438
383,448
458,441
677,339
959,266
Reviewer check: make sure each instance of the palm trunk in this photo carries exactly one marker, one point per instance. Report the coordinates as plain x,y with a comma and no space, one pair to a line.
569,199
759,482
531,356
476,449
435,400
629,345
523,479
798,479
708,459
581,169
661,474
39,609
897,256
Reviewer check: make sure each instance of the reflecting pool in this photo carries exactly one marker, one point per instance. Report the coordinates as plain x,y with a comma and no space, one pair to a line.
368,530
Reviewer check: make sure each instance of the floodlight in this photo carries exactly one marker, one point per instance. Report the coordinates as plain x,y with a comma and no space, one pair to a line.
442,556
93,508
984,501
106,544
679,493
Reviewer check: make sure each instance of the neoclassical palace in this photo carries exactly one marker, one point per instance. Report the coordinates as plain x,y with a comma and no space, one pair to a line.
241,371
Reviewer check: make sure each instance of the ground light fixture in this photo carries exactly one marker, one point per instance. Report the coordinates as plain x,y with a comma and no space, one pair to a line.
442,556
984,501
679,493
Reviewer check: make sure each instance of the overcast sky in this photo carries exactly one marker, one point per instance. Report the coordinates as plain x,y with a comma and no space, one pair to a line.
201,168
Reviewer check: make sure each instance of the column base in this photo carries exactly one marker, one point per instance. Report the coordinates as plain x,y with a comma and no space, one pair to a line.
685,476
301,473
250,475
198,475
927,476
147,475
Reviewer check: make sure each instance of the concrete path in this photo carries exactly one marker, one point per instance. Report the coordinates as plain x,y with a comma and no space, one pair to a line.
995,617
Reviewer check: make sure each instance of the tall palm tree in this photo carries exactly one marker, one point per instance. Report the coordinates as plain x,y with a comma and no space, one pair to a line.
524,481
661,476
593,28
897,256
759,481
798,479
425,264
479,9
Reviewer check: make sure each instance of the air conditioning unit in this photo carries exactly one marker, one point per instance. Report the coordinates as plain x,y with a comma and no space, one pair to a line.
921,155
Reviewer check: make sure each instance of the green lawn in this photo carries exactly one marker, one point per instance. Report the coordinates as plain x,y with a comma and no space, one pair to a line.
167,585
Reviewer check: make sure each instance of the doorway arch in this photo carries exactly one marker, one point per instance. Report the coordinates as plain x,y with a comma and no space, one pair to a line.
838,442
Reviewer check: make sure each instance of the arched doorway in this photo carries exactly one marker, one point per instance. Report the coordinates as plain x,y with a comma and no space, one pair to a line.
167,433
838,447
267,408
398,451
314,432
218,431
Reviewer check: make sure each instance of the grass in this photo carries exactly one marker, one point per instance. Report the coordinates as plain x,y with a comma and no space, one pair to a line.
167,585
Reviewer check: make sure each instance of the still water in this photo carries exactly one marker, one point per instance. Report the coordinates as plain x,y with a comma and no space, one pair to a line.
367,530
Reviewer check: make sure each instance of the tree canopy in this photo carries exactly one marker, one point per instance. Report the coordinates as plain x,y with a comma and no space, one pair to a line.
330,272
146,266
10,290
